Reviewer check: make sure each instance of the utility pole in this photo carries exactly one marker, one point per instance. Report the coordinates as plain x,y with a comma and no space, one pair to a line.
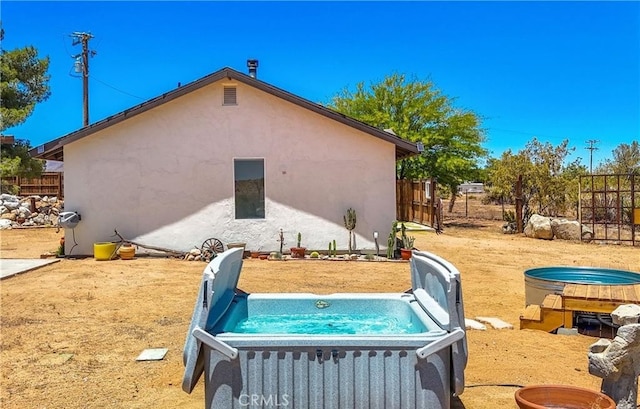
83,66
591,147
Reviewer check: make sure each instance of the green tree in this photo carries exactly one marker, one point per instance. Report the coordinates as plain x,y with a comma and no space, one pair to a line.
502,176
626,160
23,83
16,161
551,188
549,184
417,111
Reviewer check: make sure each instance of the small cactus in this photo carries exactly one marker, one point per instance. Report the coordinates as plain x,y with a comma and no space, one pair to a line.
281,240
391,241
299,239
407,242
350,224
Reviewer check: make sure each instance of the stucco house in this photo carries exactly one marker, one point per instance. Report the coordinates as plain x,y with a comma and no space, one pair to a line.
232,157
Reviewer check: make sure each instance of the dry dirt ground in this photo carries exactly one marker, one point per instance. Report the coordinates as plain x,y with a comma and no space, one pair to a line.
71,331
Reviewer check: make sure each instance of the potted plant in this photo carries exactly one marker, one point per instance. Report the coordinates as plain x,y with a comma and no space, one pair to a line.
407,246
298,251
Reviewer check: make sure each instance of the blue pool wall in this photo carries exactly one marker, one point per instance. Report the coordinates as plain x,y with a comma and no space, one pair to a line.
541,281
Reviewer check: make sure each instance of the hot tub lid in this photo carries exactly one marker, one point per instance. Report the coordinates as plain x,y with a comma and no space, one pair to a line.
217,290
436,286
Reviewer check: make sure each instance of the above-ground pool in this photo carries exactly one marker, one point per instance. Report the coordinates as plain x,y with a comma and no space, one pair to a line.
342,351
551,280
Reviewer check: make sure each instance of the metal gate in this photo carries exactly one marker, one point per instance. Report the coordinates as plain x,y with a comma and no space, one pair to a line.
610,206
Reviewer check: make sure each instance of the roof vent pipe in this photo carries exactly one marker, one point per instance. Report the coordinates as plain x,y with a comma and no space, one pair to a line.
253,68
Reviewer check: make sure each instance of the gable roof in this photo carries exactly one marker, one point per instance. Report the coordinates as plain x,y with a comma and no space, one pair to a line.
54,149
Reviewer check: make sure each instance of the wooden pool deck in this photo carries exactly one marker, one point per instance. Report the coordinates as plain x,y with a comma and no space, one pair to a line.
557,309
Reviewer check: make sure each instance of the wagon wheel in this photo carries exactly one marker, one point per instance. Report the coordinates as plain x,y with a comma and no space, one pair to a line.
210,248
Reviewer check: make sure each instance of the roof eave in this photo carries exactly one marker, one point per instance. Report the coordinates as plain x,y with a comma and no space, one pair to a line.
54,149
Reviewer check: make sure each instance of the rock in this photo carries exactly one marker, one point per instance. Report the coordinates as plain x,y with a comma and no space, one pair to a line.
5,224
566,229
626,314
599,346
5,197
24,212
539,227
11,205
570,230
15,208
587,234
616,362
509,228
9,216
194,252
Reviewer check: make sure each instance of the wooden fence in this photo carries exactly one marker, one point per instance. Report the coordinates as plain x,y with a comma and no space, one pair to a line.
416,201
49,184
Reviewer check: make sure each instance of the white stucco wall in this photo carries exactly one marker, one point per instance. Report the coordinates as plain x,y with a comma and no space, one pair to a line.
165,177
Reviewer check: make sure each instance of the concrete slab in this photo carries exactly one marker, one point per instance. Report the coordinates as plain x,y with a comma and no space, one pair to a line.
12,266
496,323
152,354
473,324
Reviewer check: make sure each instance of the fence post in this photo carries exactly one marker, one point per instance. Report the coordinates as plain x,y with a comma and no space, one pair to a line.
434,196
519,226
60,192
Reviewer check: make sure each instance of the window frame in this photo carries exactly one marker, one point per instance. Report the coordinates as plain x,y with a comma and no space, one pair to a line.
261,199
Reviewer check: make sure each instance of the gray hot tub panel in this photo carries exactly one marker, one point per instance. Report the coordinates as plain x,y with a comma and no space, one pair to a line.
417,370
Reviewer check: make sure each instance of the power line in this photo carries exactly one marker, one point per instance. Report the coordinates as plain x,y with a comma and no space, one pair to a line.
532,134
591,147
117,89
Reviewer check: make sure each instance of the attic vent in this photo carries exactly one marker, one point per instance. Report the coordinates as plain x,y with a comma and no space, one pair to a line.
229,96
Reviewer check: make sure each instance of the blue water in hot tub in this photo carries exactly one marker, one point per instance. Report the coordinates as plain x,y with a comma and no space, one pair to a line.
326,324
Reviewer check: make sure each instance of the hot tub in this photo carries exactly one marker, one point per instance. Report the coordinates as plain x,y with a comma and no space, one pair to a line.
347,350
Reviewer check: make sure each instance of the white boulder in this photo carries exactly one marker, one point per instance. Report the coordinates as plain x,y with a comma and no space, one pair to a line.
539,227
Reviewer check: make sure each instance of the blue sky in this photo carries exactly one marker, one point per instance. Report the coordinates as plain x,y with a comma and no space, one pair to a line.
553,70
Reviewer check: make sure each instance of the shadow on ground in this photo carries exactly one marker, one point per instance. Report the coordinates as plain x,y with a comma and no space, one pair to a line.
456,403
467,223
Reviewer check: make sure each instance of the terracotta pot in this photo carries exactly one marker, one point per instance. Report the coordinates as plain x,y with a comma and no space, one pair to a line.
126,252
263,256
298,252
561,396
255,254
405,254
